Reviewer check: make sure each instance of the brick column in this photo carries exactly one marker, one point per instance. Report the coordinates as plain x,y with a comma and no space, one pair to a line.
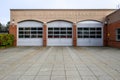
44,35
105,35
74,35
13,31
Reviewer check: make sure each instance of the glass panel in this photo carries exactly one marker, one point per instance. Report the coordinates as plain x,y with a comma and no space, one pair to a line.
63,32
33,36
33,29
56,32
69,28
21,32
33,32
69,36
50,36
39,36
50,28
98,36
27,36
80,28
69,32
21,28
56,28
86,28
39,28
63,28
98,28
27,32
86,36
92,36
63,36
50,32
118,37
118,31
80,36
56,36
21,36
92,29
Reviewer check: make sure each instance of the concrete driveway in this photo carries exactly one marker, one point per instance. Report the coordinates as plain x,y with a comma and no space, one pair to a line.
60,63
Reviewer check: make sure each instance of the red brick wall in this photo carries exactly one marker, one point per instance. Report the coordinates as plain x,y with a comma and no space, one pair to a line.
111,34
74,35
44,35
13,30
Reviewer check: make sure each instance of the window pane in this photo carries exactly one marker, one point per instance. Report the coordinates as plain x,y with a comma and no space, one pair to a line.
27,28
63,28
39,28
118,31
33,29
50,28
80,36
80,28
56,28
21,36
21,28
118,37
33,32
86,36
39,36
21,32
69,36
92,29
69,28
56,32
86,28
69,32
98,36
27,36
33,36
92,36
98,28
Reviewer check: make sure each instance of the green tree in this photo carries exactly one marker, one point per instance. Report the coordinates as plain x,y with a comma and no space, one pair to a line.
0,26
7,25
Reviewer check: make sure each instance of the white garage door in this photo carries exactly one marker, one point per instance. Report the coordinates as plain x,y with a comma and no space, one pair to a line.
30,33
89,33
59,33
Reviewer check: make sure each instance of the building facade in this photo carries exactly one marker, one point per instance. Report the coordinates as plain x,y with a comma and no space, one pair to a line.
59,27
112,29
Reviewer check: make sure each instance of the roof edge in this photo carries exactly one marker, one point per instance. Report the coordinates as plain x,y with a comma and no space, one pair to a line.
56,9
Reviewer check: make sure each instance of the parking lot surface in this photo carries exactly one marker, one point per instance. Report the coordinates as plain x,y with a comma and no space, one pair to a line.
60,63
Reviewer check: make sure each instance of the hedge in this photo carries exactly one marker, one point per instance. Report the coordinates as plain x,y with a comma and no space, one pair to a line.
6,40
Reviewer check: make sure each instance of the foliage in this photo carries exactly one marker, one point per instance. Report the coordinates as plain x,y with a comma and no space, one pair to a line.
6,40
0,26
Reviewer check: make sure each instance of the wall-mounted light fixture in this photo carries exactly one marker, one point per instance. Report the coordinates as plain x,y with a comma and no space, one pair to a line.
105,22
13,22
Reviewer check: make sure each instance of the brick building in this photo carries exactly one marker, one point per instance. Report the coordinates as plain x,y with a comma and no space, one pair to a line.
60,27
112,29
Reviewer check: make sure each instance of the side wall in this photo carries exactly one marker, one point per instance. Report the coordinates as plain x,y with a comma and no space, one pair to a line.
110,35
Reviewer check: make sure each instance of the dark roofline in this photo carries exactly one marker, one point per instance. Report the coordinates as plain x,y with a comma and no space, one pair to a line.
58,9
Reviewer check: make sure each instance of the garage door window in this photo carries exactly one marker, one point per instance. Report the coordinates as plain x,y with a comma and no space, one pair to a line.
118,34
59,32
89,32
30,32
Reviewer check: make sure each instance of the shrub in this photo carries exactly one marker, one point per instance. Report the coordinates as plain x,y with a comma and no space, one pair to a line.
6,40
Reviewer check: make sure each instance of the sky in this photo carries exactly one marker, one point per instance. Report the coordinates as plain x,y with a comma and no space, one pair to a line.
6,5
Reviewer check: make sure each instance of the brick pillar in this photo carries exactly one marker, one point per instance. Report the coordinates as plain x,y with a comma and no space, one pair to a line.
13,31
105,35
44,35
74,35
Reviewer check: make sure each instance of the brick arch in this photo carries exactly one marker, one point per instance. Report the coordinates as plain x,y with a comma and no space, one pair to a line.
59,20
90,20
29,20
